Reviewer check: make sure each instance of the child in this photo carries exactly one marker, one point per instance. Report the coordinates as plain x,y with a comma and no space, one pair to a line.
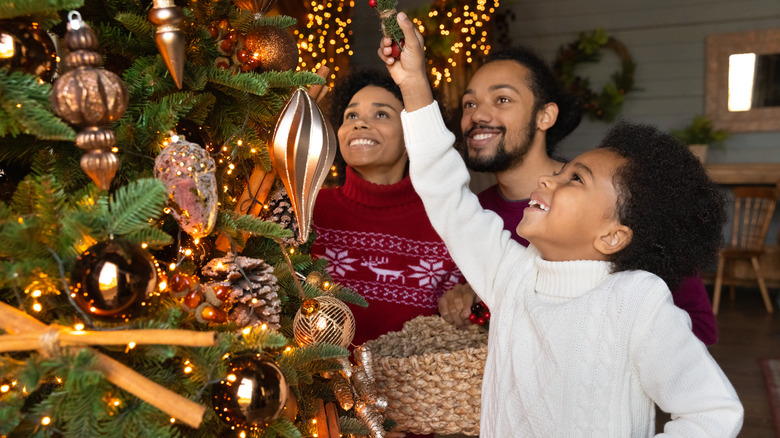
583,339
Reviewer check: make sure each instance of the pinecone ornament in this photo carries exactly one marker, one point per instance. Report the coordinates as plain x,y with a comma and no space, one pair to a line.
280,211
247,288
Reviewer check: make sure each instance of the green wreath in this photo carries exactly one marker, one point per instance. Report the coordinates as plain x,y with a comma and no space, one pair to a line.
605,105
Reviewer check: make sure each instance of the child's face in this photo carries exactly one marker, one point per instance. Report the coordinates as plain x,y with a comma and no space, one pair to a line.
573,211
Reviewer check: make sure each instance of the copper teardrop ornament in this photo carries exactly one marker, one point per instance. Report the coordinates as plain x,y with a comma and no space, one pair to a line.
304,146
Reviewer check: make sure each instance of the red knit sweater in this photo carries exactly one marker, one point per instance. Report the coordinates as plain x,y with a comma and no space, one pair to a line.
379,243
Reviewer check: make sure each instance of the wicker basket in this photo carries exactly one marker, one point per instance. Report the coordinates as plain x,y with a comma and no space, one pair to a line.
431,374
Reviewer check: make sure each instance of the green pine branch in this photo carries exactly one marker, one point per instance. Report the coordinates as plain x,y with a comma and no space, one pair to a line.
132,206
287,79
242,82
19,8
283,428
138,25
26,101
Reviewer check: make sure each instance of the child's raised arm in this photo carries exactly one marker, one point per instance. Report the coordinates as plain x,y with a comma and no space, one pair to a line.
483,251
408,70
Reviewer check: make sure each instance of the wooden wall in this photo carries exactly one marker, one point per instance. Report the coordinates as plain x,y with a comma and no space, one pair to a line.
666,38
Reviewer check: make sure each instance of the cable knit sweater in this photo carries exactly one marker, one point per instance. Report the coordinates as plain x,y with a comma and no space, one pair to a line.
379,242
690,295
574,350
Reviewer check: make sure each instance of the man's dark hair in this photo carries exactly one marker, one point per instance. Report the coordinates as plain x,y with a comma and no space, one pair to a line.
546,89
675,211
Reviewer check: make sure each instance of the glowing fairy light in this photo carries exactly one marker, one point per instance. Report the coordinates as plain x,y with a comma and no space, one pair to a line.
326,39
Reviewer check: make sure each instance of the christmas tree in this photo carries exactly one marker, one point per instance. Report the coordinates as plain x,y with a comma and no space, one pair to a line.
146,289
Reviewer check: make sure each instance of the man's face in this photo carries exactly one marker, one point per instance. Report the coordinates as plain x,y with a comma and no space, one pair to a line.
498,123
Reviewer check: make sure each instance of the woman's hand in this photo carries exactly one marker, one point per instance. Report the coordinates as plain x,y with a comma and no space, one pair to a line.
408,70
455,305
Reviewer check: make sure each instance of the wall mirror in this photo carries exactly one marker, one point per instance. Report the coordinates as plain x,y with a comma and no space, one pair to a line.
743,80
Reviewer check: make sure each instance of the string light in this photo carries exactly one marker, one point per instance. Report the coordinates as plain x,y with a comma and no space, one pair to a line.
460,27
326,39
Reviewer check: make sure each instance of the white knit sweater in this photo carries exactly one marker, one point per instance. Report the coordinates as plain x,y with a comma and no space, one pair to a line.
574,351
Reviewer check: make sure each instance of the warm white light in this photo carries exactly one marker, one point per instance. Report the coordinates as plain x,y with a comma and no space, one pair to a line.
742,67
107,280
6,46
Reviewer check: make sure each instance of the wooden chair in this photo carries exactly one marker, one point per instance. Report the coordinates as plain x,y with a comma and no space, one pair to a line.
753,209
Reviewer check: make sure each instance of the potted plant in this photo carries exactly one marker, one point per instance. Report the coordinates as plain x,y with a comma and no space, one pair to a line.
700,134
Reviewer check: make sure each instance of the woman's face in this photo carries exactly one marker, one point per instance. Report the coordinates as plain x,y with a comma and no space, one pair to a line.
371,136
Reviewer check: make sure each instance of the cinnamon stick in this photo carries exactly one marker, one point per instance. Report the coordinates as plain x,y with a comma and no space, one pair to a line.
68,338
15,321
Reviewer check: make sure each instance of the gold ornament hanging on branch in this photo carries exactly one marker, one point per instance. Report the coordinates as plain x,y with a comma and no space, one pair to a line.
304,146
170,38
91,98
324,319
257,7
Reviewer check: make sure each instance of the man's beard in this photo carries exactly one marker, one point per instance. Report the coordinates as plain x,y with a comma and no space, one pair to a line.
502,158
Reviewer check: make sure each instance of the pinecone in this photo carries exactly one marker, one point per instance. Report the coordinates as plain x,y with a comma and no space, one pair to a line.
280,211
247,289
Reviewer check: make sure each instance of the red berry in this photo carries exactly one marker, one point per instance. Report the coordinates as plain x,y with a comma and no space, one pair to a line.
193,298
242,56
212,314
252,62
224,24
180,284
226,46
214,31
472,318
372,3
223,65
397,48
232,36
481,321
486,315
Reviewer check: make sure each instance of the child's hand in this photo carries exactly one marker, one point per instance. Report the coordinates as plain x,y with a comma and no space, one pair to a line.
408,70
455,305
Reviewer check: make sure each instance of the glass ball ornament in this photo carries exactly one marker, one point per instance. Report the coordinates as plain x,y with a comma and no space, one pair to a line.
324,319
113,280
26,47
274,47
252,394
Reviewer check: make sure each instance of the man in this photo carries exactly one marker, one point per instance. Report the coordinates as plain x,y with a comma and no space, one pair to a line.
514,114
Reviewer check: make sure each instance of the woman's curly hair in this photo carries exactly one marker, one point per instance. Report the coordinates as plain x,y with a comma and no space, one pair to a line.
349,85
675,211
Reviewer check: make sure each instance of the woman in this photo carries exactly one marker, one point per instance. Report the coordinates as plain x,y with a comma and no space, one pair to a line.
373,229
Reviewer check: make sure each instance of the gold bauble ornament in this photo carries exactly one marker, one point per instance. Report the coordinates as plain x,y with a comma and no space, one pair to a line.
274,47
90,97
304,146
257,7
315,279
332,323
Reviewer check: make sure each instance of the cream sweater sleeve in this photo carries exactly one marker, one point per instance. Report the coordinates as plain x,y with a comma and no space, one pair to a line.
476,239
677,372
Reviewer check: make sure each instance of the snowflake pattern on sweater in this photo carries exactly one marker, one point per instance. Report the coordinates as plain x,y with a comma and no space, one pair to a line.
388,268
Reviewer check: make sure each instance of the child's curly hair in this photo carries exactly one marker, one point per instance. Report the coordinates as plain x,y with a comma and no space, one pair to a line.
675,211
